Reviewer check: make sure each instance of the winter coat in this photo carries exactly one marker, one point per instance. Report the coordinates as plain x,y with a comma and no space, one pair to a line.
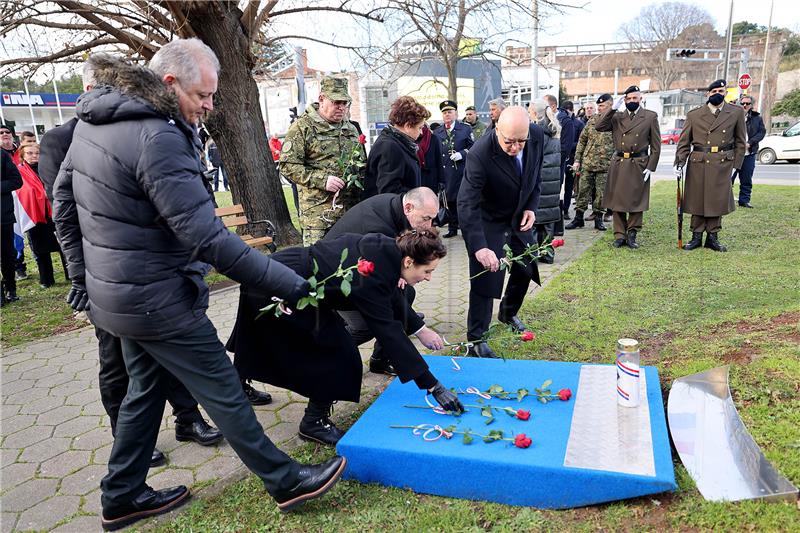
52,152
10,180
549,210
458,139
392,165
433,169
755,130
134,217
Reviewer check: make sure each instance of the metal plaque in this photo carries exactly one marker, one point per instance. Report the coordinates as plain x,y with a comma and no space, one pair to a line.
714,445
604,435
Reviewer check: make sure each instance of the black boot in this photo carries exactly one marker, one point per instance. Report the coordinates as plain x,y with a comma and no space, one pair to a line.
632,239
619,243
317,426
379,365
696,242
598,223
481,349
517,326
312,481
255,397
577,222
559,227
713,242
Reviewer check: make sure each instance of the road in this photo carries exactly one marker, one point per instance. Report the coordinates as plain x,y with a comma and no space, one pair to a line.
781,173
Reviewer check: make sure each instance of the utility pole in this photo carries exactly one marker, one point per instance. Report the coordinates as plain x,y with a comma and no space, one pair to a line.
535,52
299,76
761,84
730,41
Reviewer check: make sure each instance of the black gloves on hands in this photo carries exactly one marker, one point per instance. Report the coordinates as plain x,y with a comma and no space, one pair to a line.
77,297
300,290
446,398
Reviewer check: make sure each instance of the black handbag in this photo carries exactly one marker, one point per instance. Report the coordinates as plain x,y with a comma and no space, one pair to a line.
443,215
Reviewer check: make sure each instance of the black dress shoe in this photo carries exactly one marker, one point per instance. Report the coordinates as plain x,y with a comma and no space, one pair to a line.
312,481
632,240
598,223
200,432
546,259
157,459
696,242
745,205
619,243
421,316
516,324
449,234
321,430
148,503
481,349
256,397
381,366
713,243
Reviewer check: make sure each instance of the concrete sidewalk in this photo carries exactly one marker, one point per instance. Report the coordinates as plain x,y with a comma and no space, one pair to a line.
56,438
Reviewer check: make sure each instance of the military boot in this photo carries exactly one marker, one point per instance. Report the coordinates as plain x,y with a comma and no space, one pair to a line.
632,239
713,242
697,240
577,222
598,223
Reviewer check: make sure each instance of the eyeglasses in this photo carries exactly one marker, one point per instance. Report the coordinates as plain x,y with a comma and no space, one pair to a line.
511,142
748,104
4,132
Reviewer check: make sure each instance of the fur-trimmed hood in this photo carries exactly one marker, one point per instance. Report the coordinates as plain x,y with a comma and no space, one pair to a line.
124,91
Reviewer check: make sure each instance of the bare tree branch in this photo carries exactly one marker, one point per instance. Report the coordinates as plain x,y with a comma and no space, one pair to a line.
99,41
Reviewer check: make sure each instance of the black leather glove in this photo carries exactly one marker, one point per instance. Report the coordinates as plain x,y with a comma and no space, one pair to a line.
77,297
300,289
446,398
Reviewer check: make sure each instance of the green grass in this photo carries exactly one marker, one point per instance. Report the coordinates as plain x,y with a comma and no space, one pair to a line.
690,311
41,313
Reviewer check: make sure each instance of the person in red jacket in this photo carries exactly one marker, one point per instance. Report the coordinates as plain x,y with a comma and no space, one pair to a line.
275,145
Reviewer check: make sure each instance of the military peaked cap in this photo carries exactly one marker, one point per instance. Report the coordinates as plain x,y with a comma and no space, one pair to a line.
716,85
632,89
448,104
470,108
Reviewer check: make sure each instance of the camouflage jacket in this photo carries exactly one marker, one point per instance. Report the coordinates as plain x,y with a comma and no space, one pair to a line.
478,129
313,150
594,149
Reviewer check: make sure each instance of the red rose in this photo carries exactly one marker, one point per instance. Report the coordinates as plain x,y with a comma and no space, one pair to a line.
521,441
564,395
365,268
362,139
522,414
557,243
527,336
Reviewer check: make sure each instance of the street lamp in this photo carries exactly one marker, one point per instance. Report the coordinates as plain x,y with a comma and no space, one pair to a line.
589,75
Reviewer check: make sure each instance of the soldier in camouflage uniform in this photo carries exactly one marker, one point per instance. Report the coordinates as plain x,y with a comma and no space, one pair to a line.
592,157
323,154
471,120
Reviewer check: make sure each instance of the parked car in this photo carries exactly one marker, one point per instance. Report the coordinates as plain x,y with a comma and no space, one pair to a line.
671,136
781,147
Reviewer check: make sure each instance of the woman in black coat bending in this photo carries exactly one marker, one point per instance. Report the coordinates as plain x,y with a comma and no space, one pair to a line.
392,165
311,352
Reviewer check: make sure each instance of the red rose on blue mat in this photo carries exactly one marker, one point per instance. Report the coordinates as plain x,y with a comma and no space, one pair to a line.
521,441
527,336
362,139
522,414
564,395
365,268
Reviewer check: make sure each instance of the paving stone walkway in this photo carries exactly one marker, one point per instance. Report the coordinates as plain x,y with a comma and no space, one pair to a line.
56,437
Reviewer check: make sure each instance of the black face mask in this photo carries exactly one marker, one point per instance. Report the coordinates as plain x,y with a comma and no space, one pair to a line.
716,99
632,106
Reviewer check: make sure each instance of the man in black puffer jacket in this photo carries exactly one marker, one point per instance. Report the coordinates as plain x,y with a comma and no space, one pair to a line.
549,211
137,224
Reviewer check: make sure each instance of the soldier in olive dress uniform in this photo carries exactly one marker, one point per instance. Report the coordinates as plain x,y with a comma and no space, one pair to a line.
319,149
714,142
637,145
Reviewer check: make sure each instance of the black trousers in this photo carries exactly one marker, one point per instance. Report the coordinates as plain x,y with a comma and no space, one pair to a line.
452,208
569,184
198,359
113,378
359,330
479,315
8,257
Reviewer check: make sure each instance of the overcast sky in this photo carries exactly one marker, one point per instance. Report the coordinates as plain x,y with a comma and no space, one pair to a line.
598,22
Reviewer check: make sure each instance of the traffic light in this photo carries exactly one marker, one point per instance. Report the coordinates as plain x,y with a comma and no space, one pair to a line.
292,114
685,53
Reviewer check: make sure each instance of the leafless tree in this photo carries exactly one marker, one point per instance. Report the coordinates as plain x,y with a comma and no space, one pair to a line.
138,28
662,26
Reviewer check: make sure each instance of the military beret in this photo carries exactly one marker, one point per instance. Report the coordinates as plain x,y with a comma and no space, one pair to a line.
335,88
470,108
605,97
632,89
448,104
716,85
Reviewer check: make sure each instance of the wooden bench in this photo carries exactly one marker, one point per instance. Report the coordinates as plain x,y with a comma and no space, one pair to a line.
234,216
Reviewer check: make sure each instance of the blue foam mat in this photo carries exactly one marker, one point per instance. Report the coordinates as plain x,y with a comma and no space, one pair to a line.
498,471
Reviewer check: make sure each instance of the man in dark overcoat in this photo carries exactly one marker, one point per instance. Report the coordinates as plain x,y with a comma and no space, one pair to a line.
713,140
637,145
456,140
499,193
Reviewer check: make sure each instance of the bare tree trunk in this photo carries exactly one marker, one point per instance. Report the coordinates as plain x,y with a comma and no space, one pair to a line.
452,79
237,125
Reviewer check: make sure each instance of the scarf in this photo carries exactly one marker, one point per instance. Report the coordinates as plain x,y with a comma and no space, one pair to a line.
424,143
32,197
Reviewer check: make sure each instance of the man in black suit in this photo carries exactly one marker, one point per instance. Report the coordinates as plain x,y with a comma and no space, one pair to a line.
390,215
498,195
